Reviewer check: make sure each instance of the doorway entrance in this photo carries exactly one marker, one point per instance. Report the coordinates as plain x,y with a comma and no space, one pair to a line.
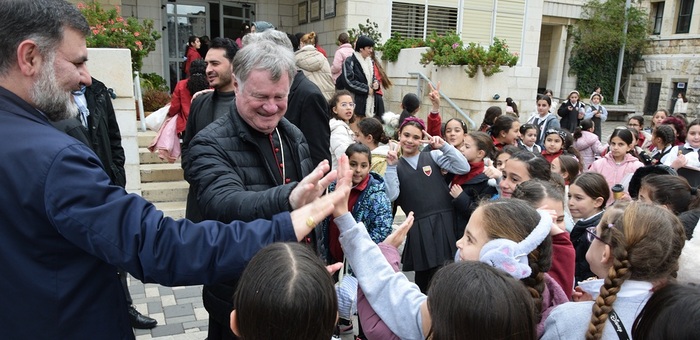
213,19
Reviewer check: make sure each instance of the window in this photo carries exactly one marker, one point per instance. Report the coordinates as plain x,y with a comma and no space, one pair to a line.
408,19
685,11
658,17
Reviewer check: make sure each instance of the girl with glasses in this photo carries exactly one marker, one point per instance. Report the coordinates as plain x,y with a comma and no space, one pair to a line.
342,115
634,250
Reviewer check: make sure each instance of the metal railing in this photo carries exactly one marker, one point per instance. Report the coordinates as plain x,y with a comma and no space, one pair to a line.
419,92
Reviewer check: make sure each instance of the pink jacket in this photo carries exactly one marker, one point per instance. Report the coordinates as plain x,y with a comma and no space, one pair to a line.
344,51
589,146
616,173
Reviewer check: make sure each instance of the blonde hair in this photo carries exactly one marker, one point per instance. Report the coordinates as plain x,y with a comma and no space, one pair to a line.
645,242
308,38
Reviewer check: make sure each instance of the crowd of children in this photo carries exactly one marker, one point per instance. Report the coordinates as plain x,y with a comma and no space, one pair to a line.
534,222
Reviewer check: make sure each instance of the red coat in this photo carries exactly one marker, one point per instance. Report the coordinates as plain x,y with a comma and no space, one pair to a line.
180,104
191,55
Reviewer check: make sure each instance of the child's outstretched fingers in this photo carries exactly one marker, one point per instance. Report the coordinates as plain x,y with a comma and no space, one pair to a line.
399,235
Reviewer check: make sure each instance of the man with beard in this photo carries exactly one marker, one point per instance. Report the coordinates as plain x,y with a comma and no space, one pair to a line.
209,106
246,165
64,229
96,126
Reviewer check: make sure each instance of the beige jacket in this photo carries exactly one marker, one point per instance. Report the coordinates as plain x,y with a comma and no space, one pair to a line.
315,67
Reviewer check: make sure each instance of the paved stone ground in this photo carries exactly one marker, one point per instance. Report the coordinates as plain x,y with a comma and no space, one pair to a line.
179,310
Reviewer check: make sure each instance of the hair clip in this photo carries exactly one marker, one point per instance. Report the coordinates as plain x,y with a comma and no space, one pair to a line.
610,225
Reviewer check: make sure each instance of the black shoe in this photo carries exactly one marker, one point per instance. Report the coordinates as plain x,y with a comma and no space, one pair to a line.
140,321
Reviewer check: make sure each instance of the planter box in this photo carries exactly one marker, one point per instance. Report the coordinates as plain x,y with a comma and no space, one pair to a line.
408,61
456,83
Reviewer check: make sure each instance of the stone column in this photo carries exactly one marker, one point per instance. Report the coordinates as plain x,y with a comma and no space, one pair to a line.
557,55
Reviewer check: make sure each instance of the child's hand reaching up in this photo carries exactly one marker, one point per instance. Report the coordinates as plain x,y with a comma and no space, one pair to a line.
399,235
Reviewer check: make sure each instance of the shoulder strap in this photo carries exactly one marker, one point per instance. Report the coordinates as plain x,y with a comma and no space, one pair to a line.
617,325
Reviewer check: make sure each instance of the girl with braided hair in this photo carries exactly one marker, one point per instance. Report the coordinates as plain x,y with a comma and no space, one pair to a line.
635,249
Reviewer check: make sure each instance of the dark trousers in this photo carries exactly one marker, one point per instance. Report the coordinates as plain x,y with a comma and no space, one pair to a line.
423,278
122,277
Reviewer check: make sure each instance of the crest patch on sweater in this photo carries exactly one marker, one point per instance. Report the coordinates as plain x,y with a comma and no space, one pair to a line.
427,170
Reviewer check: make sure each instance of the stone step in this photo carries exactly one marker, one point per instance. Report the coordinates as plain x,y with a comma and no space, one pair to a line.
148,157
174,210
165,191
164,172
145,138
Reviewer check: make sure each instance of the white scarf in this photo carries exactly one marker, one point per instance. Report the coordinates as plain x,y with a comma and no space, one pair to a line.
368,69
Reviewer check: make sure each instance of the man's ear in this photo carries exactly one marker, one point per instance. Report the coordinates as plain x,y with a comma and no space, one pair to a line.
29,58
234,323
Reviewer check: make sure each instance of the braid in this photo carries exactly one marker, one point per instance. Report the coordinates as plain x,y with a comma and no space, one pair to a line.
540,260
618,273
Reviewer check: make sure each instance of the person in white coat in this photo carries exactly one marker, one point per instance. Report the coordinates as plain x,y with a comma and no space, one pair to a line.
314,65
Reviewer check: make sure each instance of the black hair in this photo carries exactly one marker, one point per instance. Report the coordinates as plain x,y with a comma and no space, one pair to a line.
525,127
198,77
285,292
192,39
490,116
371,126
586,125
44,21
502,124
672,312
509,149
623,133
544,97
294,40
461,123
639,120
511,103
228,45
593,185
537,166
665,132
671,191
359,148
410,103
459,294
689,219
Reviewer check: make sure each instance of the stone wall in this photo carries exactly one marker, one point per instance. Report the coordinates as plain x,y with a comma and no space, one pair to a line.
113,67
668,61
472,95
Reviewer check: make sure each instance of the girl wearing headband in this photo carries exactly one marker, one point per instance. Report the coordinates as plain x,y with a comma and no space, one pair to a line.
418,175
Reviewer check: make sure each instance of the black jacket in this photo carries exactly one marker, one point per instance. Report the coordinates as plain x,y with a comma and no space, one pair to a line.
233,181
308,110
580,241
473,192
201,115
102,134
569,118
354,80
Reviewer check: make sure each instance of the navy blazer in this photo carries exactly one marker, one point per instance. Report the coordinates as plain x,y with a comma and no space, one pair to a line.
64,229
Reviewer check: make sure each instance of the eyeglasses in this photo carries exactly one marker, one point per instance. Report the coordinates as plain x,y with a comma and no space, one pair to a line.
347,105
590,235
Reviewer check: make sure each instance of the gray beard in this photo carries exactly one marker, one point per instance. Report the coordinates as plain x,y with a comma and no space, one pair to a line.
56,103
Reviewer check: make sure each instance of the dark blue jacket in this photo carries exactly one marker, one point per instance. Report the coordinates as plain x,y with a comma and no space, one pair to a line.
64,230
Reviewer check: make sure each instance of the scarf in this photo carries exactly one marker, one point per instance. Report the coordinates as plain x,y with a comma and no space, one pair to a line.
368,70
475,169
551,156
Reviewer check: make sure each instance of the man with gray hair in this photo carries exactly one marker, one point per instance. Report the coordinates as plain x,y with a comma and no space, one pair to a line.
307,108
247,164
64,229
